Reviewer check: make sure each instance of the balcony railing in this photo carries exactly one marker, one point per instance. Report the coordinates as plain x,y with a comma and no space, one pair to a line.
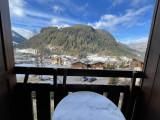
23,99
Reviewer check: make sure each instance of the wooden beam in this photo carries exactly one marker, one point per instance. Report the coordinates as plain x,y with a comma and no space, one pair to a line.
114,96
73,87
43,105
6,41
78,72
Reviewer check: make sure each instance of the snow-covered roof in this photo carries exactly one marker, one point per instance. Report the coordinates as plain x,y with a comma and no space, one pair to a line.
77,62
95,62
64,58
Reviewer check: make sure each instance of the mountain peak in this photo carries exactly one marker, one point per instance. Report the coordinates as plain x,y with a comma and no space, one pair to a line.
81,25
17,38
76,40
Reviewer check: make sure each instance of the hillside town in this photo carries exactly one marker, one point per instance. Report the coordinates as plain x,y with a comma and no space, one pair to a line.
30,58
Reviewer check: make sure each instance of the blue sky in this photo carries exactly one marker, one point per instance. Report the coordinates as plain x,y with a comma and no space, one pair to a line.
128,21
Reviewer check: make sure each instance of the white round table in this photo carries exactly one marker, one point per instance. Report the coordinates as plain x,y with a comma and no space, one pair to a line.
86,106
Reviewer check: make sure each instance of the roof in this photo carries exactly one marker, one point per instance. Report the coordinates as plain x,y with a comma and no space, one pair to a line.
64,58
139,59
77,62
84,59
95,62
54,59
90,63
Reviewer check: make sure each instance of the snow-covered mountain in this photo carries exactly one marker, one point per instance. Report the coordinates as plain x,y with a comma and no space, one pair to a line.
140,48
17,38
139,45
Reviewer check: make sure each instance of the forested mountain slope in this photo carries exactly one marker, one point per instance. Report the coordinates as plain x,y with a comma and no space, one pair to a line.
76,40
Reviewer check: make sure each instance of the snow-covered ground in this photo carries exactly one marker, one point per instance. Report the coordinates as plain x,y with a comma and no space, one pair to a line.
34,65
30,50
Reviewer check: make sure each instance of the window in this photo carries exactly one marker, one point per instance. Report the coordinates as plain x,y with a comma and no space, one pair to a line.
50,33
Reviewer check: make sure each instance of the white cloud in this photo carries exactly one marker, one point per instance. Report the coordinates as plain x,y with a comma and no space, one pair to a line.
116,2
31,20
30,23
138,2
82,8
59,23
23,32
54,21
34,13
129,19
133,3
16,8
76,8
63,25
57,9
139,41
28,18
37,19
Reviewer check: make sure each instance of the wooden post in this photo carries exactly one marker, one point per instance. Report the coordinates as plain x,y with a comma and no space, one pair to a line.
132,98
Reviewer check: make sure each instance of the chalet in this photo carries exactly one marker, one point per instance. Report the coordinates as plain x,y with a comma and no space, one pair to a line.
72,59
79,64
64,61
58,56
41,57
55,61
97,65
137,64
85,61
67,57
127,67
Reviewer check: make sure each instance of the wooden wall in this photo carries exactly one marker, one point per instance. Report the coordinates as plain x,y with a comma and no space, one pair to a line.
79,65
7,80
151,83
97,66
2,60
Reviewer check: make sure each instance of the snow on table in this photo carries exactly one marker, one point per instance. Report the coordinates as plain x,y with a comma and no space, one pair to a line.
86,106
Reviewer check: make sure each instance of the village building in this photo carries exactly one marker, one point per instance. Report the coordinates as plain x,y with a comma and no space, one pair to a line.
58,56
137,64
64,61
97,65
91,65
55,61
79,65
85,61
68,58
41,57
127,66
72,59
